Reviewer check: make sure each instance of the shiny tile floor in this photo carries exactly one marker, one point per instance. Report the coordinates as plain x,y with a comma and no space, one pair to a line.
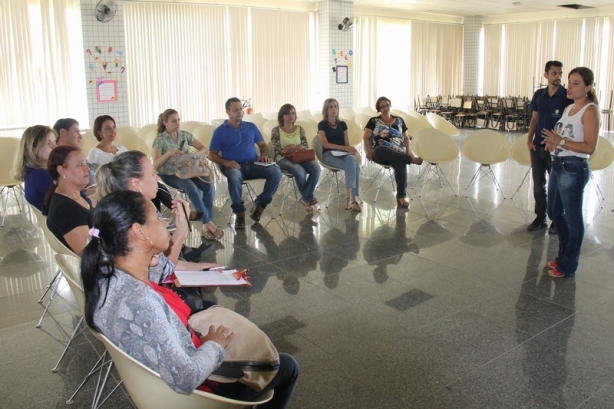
445,306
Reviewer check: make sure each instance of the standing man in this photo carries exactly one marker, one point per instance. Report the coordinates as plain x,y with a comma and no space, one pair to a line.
232,147
68,133
547,106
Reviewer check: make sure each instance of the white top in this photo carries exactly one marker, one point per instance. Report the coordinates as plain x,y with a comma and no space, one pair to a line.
570,126
97,157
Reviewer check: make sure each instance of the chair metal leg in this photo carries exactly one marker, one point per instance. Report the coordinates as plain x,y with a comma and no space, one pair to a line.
485,171
524,180
600,195
436,170
75,332
53,286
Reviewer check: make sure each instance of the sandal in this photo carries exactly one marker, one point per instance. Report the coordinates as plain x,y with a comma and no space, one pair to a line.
402,203
313,202
308,207
217,234
352,205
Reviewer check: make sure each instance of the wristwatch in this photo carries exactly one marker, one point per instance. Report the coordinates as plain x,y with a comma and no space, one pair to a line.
562,142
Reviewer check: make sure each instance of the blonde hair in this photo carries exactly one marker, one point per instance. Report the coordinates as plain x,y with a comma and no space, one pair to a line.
164,117
327,102
32,142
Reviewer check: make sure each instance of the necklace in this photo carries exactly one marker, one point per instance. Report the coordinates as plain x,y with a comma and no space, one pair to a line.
331,125
76,198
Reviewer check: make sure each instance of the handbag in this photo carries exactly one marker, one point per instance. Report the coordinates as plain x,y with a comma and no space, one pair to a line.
193,165
300,155
251,357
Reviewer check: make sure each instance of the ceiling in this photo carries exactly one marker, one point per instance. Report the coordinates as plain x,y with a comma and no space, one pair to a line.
454,10
479,7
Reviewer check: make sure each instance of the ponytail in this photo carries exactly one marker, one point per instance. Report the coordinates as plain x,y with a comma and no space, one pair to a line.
96,271
163,117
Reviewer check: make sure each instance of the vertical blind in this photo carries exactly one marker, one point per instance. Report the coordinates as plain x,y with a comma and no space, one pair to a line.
193,57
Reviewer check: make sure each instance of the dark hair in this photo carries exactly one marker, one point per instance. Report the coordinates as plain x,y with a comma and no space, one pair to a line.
284,110
230,101
380,99
113,217
116,174
163,117
551,64
58,157
98,124
589,79
64,123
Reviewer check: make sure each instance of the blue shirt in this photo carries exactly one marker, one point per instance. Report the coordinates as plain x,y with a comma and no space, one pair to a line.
37,183
333,135
549,110
236,144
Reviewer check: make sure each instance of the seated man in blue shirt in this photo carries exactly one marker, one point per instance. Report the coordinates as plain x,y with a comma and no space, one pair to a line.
232,147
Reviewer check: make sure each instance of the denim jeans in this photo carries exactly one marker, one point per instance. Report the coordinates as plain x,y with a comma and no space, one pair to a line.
540,164
306,176
200,193
283,384
350,165
568,178
249,170
398,161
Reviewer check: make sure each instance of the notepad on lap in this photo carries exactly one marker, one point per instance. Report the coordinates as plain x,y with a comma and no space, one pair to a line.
338,153
212,278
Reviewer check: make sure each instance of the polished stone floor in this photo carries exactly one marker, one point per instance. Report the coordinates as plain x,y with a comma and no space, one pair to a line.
445,306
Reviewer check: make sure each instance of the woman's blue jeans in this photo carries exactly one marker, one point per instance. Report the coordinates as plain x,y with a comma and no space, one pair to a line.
201,194
568,177
350,165
306,176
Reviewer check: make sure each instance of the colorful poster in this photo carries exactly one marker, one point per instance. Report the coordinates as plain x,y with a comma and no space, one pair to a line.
107,90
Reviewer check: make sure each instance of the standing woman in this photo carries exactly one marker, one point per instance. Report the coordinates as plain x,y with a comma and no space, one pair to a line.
570,171
337,151
285,136
172,142
36,144
387,143
68,210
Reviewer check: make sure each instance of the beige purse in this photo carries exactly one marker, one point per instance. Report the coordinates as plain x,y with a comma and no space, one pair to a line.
251,357
193,165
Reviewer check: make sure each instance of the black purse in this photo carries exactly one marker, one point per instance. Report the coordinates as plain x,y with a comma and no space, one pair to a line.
191,296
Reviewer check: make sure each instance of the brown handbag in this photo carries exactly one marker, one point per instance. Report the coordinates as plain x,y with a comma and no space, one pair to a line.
300,155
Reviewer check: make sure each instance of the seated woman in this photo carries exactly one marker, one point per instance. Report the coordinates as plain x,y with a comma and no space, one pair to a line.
285,136
132,170
171,142
67,209
147,321
31,163
387,143
104,131
337,151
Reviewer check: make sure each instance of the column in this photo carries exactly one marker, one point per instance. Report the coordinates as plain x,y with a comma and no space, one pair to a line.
472,26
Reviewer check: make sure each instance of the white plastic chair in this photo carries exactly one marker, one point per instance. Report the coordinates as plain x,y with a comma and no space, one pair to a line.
347,114
440,123
521,154
601,159
8,150
148,391
361,120
144,131
132,142
189,126
70,267
486,147
435,148
267,127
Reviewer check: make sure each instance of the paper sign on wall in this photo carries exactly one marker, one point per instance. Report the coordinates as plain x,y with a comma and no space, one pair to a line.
107,90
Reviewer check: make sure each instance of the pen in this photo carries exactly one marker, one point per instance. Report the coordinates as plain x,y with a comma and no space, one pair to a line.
215,268
186,217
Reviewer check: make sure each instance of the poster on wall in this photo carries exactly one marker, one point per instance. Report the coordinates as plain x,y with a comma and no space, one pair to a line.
342,74
107,90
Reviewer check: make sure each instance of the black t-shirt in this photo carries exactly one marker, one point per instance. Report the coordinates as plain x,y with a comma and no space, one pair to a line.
333,135
65,214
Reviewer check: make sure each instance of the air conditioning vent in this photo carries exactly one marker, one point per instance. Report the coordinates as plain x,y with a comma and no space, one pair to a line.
575,6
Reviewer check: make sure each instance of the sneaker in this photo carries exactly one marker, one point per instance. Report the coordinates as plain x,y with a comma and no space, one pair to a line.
240,220
538,224
256,213
552,229
553,264
556,273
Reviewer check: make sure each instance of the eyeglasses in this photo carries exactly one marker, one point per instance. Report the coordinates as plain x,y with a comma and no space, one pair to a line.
384,106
